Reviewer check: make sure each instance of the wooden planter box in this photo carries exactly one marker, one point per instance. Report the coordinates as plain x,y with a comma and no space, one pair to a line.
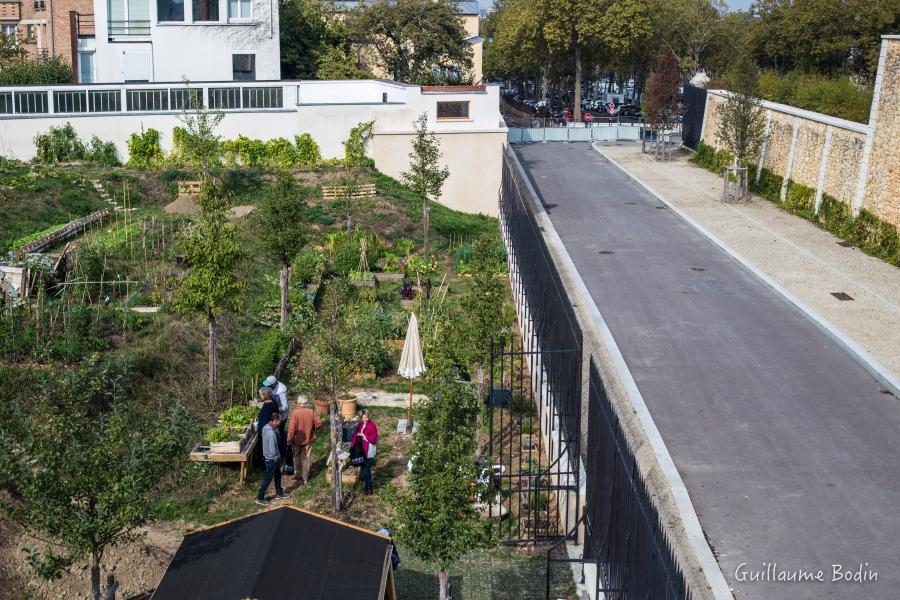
233,447
389,276
363,282
349,476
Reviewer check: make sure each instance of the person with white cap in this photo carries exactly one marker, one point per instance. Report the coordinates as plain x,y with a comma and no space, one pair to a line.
280,397
301,435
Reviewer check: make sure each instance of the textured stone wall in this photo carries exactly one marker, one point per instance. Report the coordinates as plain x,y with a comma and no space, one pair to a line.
844,163
882,192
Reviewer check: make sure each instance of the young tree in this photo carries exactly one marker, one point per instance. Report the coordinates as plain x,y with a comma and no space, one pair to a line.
201,145
436,519
661,96
211,287
425,176
81,463
413,39
741,117
282,214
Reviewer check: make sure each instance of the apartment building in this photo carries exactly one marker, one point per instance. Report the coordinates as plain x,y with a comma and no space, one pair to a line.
171,40
43,28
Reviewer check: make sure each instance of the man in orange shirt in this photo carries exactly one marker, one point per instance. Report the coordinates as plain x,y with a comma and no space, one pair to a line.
301,434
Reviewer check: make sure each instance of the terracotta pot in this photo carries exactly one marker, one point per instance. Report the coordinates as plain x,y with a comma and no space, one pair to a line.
348,408
323,407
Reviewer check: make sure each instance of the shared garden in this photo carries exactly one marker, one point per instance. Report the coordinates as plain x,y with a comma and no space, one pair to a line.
147,333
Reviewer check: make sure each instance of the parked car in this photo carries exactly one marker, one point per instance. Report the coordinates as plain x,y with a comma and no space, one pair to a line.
629,110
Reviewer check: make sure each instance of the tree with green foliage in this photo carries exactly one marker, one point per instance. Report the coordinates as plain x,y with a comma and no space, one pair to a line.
425,176
336,63
199,143
416,41
355,145
82,462
282,214
690,28
436,519
14,70
741,120
315,43
211,286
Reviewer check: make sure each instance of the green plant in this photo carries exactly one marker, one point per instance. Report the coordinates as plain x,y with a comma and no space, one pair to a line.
46,71
425,176
60,144
767,185
361,276
102,153
220,434
238,416
308,154
800,200
355,145
537,502
836,96
144,151
307,266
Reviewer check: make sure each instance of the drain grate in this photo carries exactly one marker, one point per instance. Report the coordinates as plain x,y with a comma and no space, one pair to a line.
843,296
698,269
606,252
845,244
631,203
661,207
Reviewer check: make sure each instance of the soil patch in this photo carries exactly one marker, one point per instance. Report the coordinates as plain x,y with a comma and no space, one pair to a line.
184,205
237,212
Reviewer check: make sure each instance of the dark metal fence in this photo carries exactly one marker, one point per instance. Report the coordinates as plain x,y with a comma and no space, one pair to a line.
695,105
623,535
536,388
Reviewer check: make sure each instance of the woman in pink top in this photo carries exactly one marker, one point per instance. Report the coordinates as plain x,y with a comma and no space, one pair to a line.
366,433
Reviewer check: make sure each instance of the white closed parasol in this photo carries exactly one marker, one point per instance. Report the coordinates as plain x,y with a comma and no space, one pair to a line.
411,362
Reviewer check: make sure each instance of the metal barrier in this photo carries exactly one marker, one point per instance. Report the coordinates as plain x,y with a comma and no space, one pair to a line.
600,132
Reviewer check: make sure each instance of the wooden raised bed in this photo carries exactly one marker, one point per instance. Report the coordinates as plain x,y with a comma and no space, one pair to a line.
204,453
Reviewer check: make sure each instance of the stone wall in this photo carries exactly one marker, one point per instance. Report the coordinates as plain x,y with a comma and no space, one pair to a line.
856,163
882,189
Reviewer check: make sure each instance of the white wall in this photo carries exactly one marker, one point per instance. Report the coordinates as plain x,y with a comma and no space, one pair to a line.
196,51
472,148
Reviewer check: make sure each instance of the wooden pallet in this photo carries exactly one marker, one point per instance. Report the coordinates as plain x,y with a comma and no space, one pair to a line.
189,188
344,192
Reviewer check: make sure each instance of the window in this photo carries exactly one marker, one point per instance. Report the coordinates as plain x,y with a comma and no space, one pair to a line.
238,9
452,110
170,10
31,34
206,10
243,67
9,31
129,17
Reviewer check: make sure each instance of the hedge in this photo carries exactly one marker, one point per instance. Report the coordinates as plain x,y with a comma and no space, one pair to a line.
869,233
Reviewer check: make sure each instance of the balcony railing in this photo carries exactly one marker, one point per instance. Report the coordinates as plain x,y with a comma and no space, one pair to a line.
128,28
143,98
84,25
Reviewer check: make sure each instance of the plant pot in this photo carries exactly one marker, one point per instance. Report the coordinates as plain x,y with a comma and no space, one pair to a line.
323,407
348,408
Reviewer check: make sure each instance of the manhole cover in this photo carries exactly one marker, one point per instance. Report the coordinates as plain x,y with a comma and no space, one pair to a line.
606,252
843,296
845,244
698,269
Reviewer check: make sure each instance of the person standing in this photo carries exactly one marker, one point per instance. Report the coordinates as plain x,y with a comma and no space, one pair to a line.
366,433
280,396
301,435
266,409
272,457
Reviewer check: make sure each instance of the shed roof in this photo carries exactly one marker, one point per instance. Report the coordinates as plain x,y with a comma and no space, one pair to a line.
281,554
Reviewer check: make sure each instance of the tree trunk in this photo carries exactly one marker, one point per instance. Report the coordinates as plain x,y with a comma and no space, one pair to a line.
479,435
285,271
336,488
444,583
95,575
426,210
576,110
211,322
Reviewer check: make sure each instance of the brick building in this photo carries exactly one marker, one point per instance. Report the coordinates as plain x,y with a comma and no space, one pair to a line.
44,28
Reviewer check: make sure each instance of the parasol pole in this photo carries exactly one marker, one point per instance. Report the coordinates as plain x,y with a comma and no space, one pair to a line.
409,410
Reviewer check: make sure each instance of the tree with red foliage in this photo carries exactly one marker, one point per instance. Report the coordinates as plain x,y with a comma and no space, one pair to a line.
662,96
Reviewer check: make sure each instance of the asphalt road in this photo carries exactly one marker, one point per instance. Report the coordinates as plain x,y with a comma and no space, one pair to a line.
789,449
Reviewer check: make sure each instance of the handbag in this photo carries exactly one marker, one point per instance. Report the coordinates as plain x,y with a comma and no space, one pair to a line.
371,452
357,456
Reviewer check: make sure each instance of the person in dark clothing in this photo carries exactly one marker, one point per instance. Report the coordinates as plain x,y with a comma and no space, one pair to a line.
267,408
272,458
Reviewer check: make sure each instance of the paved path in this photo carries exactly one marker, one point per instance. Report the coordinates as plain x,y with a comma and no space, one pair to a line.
787,446
802,258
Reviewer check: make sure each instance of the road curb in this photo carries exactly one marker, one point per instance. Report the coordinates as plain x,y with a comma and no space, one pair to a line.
868,362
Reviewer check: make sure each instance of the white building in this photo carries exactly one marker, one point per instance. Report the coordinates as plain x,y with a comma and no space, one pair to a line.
169,40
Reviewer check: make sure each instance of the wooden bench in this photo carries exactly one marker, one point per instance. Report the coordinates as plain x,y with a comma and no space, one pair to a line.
189,188
346,192
201,453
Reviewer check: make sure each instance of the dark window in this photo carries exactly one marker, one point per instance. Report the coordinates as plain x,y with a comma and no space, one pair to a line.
243,67
170,10
452,110
206,10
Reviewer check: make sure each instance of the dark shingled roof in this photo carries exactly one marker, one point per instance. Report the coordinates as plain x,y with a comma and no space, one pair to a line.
281,554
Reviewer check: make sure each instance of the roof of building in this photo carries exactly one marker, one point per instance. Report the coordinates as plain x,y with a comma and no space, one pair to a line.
284,553
465,7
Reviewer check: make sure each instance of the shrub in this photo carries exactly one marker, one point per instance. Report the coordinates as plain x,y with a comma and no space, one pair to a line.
355,146
307,266
836,96
835,216
875,237
707,157
42,71
103,153
143,149
60,144
800,200
768,186
308,154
